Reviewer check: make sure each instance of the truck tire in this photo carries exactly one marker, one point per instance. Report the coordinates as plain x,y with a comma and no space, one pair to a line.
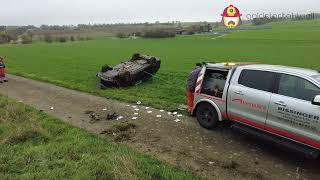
207,116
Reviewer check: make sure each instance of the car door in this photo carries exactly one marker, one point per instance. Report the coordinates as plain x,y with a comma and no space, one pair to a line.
291,112
249,97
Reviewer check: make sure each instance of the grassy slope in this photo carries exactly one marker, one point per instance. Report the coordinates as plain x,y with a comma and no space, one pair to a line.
35,146
74,64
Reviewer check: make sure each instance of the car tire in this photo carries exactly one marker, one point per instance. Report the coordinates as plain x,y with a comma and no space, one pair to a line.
207,116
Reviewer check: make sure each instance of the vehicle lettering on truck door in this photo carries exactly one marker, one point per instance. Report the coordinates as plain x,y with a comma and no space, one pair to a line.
298,118
249,97
250,105
291,110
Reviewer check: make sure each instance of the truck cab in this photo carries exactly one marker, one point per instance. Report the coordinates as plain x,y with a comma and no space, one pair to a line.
277,102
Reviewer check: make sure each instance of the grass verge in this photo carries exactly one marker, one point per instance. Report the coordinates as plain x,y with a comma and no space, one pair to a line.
34,145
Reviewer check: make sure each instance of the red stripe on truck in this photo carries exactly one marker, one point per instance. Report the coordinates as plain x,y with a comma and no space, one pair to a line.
211,97
304,140
243,120
294,137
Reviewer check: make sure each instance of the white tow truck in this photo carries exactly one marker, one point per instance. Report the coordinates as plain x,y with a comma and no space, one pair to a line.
277,103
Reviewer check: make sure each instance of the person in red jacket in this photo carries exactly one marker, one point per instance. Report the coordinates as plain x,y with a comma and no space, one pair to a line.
191,85
2,71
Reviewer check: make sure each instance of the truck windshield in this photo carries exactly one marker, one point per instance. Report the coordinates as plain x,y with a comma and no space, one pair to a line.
317,77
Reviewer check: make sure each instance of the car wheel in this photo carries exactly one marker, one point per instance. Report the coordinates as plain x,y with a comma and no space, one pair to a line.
207,116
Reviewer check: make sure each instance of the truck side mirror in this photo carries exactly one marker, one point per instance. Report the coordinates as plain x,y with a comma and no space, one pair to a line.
316,100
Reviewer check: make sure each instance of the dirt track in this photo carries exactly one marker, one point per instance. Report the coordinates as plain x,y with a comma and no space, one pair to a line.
220,154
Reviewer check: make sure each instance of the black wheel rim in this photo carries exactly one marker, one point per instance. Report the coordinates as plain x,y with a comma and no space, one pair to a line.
206,115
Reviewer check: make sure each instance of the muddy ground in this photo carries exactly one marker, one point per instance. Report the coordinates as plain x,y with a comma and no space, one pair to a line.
219,154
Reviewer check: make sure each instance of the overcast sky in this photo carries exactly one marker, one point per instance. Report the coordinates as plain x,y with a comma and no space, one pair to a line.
66,12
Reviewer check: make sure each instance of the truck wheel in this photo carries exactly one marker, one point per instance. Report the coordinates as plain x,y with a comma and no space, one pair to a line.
207,116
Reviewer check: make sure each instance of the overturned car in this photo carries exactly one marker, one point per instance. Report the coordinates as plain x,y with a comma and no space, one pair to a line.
138,69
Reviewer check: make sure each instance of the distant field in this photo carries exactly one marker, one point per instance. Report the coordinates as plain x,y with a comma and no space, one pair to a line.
75,64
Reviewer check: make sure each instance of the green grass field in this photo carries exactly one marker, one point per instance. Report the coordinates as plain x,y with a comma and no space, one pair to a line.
75,64
36,146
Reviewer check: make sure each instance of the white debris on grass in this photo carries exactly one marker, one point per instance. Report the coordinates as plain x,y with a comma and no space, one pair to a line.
51,108
179,115
20,101
147,107
136,114
137,109
149,112
210,162
175,113
177,120
134,118
161,110
134,106
158,116
139,102
119,118
104,109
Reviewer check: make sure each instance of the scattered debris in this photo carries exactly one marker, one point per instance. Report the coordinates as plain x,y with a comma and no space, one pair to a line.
149,112
169,113
177,120
179,115
139,102
161,110
175,113
147,107
119,118
20,101
121,132
158,116
210,162
94,116
112,116
134,106
52,108
136,114
104,109
134,118
137,109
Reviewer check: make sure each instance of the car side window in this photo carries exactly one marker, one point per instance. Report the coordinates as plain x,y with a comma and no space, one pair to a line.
261,80
214,83
296,87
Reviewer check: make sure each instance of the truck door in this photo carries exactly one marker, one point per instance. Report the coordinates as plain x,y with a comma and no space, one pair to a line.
291,112
249,97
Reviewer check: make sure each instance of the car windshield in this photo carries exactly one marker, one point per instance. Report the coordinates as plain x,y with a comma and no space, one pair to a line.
317,77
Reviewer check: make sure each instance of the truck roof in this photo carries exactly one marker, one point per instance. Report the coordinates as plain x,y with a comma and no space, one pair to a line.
228,65
307,72
252,65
